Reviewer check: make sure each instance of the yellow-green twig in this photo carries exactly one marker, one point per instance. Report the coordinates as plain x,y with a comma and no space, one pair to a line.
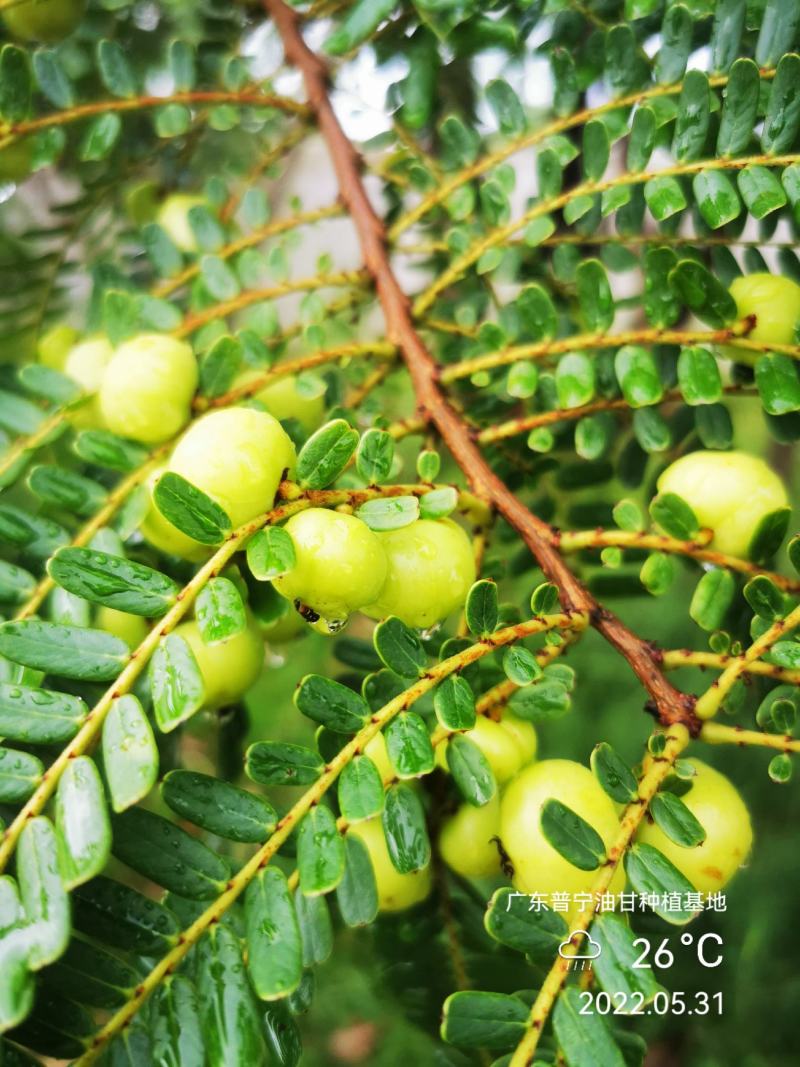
717,734
686,657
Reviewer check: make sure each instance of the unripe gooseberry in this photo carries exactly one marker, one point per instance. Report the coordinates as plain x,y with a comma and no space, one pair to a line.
55,345
132,629
173,217
286,398
431,568
468,841
16,160
729,492
507,744
716,804
775,302
538,867
86,364
340,564
396,891
147,388
43,20
228,667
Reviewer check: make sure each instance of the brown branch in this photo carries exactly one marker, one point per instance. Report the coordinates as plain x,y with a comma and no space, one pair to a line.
672,705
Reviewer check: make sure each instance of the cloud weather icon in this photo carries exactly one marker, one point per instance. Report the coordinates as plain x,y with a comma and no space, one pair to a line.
592,947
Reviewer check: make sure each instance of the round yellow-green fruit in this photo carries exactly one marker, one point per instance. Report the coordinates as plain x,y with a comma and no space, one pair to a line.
147,389
43,20
173,216
55,345
16,160
775,302
228,667
161,534
729,492
468,840
431,569
507,745
538,867
396,891
340,563
86,364
285,628
132,629
284,399
715,803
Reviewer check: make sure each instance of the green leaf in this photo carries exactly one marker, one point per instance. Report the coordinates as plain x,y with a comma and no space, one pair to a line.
614,966
454,703
571,836
543,701
219,807
481,608
702,293
230,1016
409,745
676,44
117,915
650,872
270,553
220,611
769,535
389,513
15,84
44,898
596,150
220,365
20,773
115,71
48,384
614,774
359,23
651,430
575,380
177,685
130,754
331,703
374,456
39,716
716,198
698,376
693,118
740,109
190,510
218,278
275,951
778,28
761,191
326,454
101,135
664,197
16,981
763,596
320,851
674,516
511,921
438,503
316,929
473,1019
111,580
403,822
105,981
360,790
82,824
585,1039
778,383
175,1024
657,573
712,599
726,34
471,771
39,536
357,893
520,666
678,823
782,120
507,108
399,648
105,449
68,651
638,376
52,79
282,763
66,489
159,850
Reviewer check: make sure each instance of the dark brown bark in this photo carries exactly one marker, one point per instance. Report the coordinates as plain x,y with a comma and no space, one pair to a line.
672,705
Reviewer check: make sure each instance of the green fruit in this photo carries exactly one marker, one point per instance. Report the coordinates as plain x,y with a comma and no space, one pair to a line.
285,628
147,388
538,867
55,345
285,399
396,891
43,20
16,160
729,492
468,841
431,569
507,745
132,629
340,564
86,364
376,750
775,302
717,806
228,667
173,216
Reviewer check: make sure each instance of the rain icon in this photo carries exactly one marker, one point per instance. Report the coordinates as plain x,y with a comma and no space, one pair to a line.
590,951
